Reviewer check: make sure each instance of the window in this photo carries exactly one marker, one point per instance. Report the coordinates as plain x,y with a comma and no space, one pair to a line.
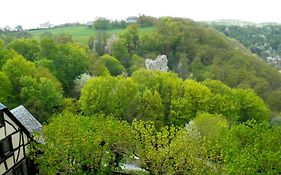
5,147
1,118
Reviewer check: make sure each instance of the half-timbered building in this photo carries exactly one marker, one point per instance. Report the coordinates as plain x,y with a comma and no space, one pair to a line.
16,128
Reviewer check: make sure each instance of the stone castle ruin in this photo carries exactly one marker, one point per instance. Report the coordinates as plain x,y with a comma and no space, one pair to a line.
160,63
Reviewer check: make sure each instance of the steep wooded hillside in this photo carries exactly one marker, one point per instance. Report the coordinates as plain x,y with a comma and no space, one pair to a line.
262,39
198,51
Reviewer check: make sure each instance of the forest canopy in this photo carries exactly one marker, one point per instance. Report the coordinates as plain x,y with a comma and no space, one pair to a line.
214,112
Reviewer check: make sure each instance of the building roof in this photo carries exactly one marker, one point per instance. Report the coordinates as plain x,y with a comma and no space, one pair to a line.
2,106
26,119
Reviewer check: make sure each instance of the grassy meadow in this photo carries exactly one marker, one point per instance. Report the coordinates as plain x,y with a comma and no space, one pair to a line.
79,33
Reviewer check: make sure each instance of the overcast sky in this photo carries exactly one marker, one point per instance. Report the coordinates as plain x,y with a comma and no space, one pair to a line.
31,13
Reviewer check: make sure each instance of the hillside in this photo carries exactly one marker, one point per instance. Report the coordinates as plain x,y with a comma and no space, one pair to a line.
262,39
197,51
183,121
194,51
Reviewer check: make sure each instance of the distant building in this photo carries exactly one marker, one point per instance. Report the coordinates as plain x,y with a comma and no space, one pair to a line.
46,25
131,19
16,129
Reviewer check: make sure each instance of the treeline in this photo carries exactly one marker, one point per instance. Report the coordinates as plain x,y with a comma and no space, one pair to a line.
105,24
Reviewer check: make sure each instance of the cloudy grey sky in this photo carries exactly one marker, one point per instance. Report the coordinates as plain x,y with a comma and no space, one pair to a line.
31,13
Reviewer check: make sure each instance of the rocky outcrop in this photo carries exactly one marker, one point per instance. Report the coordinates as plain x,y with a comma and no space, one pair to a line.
160,63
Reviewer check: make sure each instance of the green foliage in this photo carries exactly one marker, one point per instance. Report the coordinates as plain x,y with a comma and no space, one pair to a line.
148,106
144,20
252,148
126,45
207,54
195,98
210,126
120,51
152,146
6,88
102,24
262,40
113,65
275,122
251,106
17,67
80,144
177,151
69,61
273,99
28,48
42,97
137,62
166,99
100,42
35,87
109,96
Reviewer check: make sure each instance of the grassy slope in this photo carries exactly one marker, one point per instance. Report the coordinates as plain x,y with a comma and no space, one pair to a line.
78,33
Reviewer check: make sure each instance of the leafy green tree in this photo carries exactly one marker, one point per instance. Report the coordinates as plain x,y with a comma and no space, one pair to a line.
6,88
245,149
18,28
195,149
91,42
35,87
131,37
70,62
148,106
96,96
126,45
109,96
99,69
195,98
28,48
100,42
120,51
48,48
6,54
102,24
95,148
152,146
273,99
42,97
223,100
251,106
137,62
17,67
171,150
113,65
145,21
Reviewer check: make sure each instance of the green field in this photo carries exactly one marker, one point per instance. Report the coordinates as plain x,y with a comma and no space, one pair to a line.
78,33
